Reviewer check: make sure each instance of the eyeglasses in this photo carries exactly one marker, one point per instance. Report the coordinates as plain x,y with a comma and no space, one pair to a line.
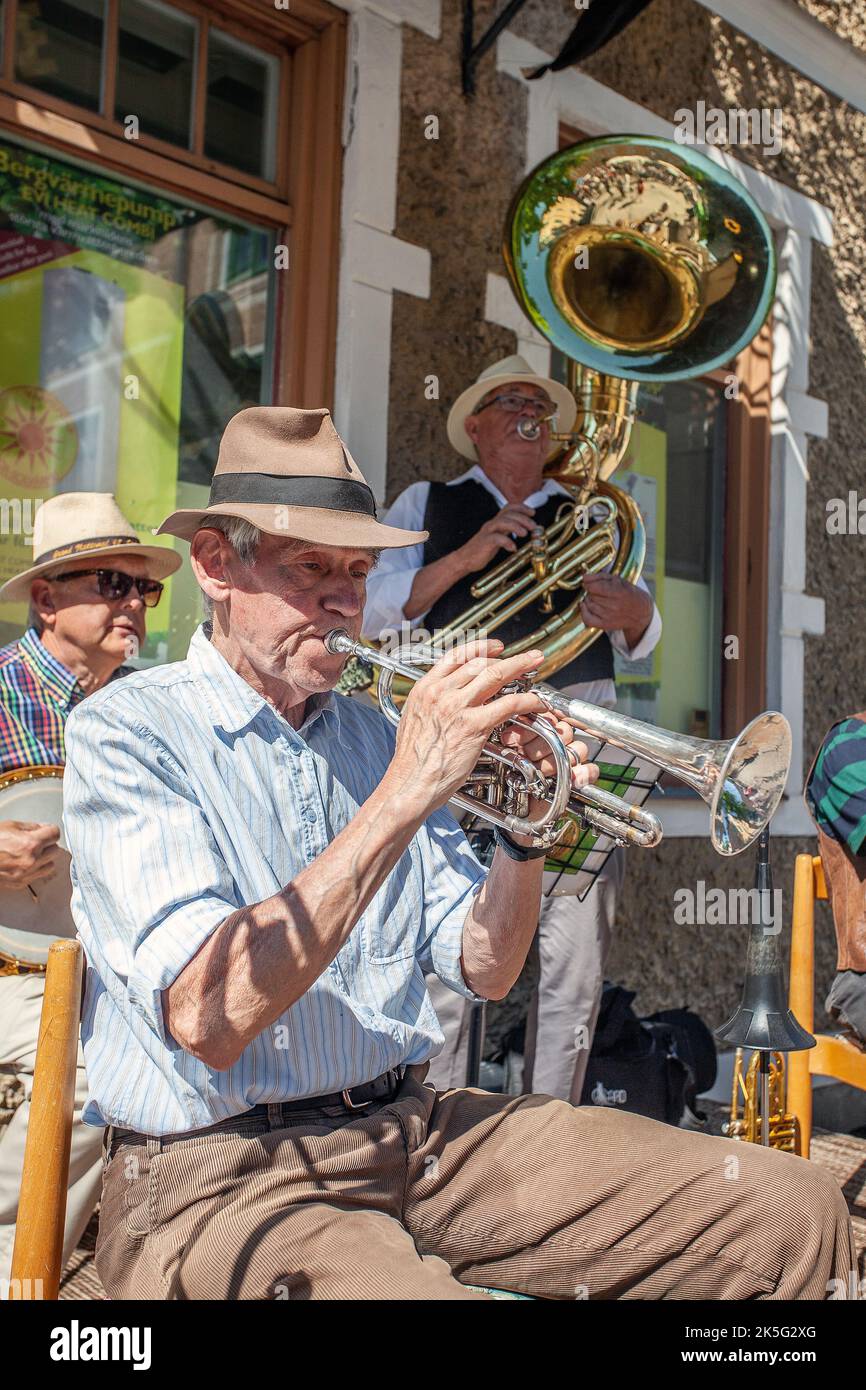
514,404
114,584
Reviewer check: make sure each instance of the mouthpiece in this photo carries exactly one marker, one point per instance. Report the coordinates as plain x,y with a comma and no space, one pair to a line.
529,429
338,642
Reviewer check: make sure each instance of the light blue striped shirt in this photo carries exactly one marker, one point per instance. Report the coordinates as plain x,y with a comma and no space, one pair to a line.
186,796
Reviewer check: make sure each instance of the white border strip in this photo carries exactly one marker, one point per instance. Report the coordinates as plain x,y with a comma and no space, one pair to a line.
572,97
801,40
425,15
373,262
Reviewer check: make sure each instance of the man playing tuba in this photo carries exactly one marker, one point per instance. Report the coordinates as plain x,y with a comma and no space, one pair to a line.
472,520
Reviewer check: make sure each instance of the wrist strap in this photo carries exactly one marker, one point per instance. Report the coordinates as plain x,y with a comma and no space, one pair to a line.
520,853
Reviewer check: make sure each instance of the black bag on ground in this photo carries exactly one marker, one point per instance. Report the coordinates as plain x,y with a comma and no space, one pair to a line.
655,1066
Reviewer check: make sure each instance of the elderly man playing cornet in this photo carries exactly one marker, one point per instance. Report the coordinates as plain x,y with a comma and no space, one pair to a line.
264,874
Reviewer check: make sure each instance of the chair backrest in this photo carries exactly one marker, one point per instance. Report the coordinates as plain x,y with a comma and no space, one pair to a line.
835,1057
819,878
38,1251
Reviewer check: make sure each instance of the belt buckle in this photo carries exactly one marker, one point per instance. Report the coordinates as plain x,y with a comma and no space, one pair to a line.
393,1074
350,1104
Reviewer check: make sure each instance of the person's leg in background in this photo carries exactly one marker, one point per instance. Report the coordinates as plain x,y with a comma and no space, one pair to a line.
573,946
20,1009
454,1012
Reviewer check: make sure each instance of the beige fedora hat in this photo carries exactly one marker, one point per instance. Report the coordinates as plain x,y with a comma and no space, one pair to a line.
78,525
514,368
289,473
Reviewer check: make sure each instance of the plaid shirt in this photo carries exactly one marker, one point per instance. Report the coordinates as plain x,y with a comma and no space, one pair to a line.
37,694
836,790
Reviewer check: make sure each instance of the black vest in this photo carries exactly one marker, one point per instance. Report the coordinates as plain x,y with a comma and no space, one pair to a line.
454,514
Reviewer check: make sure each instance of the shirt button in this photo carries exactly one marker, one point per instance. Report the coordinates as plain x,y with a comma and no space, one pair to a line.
311,817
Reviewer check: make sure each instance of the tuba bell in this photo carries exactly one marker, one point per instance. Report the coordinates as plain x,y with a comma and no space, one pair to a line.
641,261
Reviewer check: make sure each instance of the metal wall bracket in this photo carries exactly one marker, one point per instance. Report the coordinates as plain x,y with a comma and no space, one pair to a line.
471,51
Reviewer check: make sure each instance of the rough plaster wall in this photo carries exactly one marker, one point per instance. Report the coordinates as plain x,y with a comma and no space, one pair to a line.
453,194
843,17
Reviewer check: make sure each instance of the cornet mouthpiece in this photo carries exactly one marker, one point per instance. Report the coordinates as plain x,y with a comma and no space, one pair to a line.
337,641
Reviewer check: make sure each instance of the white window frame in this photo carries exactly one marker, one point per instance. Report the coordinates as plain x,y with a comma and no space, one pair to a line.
373,261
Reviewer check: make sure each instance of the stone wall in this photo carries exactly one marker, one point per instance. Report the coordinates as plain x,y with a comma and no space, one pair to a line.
452,197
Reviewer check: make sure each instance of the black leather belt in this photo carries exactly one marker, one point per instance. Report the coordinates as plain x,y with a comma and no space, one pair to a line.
358,1097
353,1098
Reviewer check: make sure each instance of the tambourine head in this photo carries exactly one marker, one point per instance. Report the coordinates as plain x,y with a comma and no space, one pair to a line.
29,924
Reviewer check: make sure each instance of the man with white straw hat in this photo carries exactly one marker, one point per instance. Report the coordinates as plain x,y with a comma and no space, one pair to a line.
89,583
472,521
256,1021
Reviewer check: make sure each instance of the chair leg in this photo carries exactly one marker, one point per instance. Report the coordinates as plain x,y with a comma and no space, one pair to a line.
38,1249
802,994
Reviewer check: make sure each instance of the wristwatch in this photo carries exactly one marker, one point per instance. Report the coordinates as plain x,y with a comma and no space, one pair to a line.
520,853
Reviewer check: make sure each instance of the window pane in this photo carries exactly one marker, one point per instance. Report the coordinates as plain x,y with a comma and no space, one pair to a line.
241,97
59,48
677,476
156,52
132,327
675,471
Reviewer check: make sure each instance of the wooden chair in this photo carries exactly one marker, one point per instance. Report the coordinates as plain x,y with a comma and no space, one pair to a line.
834,1057
38,1250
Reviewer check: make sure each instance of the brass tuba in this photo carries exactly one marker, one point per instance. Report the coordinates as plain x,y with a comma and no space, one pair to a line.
641,261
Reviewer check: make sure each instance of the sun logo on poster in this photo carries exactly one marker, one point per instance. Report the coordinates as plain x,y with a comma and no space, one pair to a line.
38,438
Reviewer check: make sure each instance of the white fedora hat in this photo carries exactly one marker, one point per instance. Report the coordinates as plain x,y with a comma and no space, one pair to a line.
514,368
75,525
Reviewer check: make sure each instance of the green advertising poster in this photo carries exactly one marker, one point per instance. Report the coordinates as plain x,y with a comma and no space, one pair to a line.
91,352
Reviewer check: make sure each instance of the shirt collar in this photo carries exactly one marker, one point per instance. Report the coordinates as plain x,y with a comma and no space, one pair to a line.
231,701
56,678
550,487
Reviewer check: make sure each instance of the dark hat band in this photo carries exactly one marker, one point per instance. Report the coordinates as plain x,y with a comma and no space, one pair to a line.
334,494
66,552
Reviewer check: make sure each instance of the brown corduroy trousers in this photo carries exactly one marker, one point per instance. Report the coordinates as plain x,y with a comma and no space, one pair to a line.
418,1196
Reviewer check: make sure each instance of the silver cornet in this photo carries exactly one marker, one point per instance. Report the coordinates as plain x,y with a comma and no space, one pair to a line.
741,780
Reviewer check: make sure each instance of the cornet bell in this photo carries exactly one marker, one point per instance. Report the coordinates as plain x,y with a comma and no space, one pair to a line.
749,782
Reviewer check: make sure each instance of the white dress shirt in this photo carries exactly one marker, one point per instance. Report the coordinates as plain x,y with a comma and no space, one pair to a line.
390,584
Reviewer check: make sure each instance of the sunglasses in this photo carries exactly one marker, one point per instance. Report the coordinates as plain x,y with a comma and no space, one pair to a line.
114,584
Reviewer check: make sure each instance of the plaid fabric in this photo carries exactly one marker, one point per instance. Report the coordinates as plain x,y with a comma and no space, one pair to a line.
836,788
37,693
